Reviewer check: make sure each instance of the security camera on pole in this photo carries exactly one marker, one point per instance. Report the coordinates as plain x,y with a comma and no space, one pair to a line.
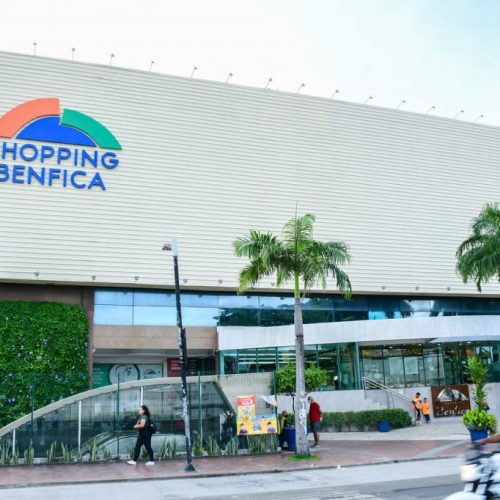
182,355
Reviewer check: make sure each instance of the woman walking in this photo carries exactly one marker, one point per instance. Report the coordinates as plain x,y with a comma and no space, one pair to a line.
144,437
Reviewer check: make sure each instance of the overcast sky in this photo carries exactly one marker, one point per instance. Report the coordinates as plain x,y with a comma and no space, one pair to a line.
429,52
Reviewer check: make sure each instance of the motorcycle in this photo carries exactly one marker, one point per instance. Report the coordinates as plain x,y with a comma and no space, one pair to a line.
481,475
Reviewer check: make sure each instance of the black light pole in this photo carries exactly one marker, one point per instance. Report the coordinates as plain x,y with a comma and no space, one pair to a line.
181,333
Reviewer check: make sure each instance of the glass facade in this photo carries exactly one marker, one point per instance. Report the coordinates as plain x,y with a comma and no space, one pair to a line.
150,308
396,366
399,366
338,359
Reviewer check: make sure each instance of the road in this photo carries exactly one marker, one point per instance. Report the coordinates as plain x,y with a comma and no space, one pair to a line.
429,479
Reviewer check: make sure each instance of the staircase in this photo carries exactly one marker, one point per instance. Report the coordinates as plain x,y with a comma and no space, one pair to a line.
258,384
394,399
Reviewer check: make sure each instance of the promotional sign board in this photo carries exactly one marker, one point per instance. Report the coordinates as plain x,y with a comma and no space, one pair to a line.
450,400
249,423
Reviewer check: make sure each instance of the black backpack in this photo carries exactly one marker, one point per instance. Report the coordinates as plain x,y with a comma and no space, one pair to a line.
152,427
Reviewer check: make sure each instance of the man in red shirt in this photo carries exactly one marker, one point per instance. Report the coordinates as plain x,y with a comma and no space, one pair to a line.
315,419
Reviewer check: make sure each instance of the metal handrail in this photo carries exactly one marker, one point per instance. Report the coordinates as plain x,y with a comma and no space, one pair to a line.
370,382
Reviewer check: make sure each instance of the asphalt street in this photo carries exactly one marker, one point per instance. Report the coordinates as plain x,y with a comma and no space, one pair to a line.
429,479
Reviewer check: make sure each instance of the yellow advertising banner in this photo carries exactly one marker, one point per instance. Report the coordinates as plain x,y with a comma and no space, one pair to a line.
249,423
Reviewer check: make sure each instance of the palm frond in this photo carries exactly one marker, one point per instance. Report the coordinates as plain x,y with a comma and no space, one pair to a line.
295,254
478,257
265,252
322,260
298,230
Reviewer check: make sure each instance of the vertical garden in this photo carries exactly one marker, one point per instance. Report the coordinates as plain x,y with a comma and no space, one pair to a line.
43,355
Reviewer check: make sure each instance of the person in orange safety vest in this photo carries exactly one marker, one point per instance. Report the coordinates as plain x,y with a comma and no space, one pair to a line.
426,410
417,407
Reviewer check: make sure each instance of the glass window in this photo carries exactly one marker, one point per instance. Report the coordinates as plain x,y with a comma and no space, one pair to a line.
230,362
267,359
160,299
495,366
247,360
417,305
239,317
350,315
393,367
144,315
113,297
373,363
413,366
317,303
433,366
112,315
317,316
274,317
384,308
445,307
451,364
238,301
346,363
327,359
199,300
355,303
310,356
286,355
384,315
273,302
200,316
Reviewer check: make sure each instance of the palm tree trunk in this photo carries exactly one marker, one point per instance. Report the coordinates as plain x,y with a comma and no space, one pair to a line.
301,401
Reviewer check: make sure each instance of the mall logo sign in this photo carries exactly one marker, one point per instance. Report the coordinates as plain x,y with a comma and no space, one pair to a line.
46,164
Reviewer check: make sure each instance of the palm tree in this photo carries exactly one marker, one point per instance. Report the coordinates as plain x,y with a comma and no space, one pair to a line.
479,255
297,258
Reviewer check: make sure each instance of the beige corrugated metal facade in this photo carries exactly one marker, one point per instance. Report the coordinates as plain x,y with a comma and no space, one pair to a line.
205,161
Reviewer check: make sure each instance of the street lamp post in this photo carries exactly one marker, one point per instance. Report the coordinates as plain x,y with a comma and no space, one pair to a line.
181,335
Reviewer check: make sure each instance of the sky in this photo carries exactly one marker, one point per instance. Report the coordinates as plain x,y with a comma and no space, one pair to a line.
442,53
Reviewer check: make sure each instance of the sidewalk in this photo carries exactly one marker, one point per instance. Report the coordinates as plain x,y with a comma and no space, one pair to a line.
337,449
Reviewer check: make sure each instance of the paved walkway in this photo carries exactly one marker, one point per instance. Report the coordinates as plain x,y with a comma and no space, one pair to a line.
336,450
436,429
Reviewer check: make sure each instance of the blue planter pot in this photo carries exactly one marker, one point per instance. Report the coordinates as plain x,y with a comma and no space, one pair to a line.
477,434
384,426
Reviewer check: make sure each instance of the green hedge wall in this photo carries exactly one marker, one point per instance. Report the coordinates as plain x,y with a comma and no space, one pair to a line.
362,420
43,355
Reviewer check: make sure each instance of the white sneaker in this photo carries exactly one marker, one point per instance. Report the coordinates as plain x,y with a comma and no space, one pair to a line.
150,463
131,462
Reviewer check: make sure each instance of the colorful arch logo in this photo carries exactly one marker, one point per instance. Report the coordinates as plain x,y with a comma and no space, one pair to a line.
42,120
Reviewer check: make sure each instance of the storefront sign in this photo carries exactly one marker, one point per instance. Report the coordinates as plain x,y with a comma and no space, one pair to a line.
450,400
174,368
248,423
39,153
106,374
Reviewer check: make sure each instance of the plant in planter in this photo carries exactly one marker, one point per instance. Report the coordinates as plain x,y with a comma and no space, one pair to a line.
315,378
478,420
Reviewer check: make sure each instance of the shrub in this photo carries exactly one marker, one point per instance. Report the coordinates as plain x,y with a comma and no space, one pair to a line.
315,378
479,419
338,420
396,417
349,418
361,420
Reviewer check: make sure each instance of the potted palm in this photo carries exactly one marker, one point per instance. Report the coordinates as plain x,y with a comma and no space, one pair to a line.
478,420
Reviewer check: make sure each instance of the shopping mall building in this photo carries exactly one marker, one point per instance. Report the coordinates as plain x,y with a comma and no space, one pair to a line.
101,165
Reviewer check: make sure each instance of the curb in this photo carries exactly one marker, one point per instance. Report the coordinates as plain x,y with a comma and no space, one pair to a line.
227,474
